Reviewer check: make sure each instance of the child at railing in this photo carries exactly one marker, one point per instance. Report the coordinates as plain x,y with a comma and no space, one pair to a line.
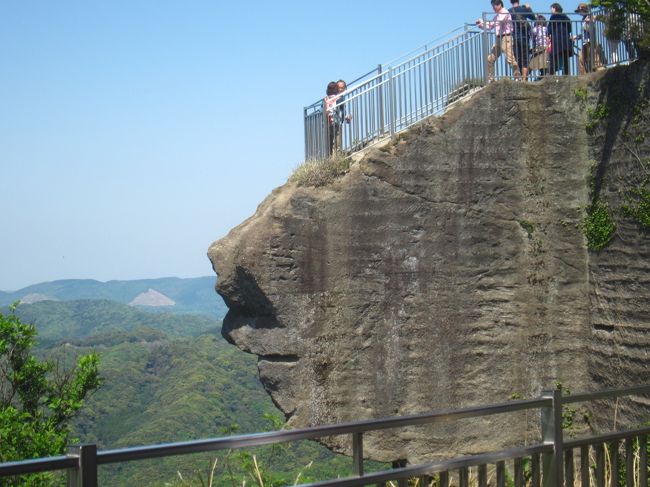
541,44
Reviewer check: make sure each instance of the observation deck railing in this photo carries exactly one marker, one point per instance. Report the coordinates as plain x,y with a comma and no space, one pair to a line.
552,461
394,96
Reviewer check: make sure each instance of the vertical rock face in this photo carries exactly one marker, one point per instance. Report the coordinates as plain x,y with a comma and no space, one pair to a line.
447,269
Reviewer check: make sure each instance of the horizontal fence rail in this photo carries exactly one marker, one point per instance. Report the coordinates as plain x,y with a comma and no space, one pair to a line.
552,462
425,82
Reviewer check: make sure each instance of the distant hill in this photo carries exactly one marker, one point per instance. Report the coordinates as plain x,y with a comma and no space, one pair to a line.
192,295
69,321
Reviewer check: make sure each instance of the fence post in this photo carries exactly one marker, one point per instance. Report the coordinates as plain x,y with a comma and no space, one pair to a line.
552,471
357,453
380,90
307,141
393,101
486,50
85,475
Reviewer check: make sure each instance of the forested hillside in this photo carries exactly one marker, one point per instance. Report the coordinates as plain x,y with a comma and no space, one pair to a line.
169,377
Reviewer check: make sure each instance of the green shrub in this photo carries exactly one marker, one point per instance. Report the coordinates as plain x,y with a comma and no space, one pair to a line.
638,206
581,94
598,226
529,227
595,115
320,172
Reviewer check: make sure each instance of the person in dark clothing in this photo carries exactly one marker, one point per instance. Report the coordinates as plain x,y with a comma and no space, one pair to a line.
521,35
559,29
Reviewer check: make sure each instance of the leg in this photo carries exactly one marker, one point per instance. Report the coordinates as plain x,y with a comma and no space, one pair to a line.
331,138
553,62
492,59
339,137
565,63
583,59
506,46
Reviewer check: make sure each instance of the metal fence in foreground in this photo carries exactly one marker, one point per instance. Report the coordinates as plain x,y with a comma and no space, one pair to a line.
394,96
554,462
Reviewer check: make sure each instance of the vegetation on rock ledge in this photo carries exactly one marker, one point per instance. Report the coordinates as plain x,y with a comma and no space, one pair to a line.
319,172
598,226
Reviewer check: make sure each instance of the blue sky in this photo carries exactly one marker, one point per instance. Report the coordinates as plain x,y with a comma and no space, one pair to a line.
135,133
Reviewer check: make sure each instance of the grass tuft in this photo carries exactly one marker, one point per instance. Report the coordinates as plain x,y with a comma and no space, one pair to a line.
320,172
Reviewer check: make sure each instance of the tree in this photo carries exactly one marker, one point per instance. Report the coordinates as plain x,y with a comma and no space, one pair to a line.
620,20
38,398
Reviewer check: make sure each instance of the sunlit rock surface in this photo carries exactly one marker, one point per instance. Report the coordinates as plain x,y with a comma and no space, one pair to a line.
448,269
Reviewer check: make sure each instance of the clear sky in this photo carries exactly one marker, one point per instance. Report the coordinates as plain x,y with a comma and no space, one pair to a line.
134,133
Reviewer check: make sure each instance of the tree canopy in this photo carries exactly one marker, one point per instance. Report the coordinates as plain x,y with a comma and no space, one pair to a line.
621,19
38,398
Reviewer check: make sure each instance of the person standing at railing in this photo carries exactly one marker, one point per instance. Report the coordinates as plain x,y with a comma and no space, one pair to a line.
541,43
330,111
591,50
340,116
502,25
559,30
521,14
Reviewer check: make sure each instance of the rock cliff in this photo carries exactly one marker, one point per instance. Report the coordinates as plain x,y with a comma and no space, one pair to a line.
449,268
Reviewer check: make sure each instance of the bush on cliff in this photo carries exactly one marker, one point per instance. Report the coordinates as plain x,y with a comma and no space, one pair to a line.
319,172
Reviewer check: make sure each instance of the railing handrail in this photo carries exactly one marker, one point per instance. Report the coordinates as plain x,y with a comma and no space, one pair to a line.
429,46
434,467
355,427
426,48
426,81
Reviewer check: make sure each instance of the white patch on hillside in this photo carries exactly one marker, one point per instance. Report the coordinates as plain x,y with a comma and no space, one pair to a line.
152,298
35,298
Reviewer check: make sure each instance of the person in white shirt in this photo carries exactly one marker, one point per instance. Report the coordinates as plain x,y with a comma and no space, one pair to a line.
502,25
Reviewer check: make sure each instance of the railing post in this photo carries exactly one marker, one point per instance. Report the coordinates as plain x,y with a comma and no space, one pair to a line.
380,88
393,101
357,453
85,475
552,471
307,141
486,50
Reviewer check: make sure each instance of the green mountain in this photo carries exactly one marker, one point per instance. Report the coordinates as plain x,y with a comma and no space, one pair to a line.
70,321
183,388
193,295
170,378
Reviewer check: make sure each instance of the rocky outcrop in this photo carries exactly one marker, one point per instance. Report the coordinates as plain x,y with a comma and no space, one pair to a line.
448,268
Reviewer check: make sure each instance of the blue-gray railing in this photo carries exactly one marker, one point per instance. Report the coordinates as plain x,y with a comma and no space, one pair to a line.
552,461
424,82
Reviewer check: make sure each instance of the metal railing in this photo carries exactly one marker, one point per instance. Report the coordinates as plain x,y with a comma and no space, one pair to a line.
552,462
395,95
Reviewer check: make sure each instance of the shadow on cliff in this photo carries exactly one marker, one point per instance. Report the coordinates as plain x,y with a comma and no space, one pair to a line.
247,304
621,89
